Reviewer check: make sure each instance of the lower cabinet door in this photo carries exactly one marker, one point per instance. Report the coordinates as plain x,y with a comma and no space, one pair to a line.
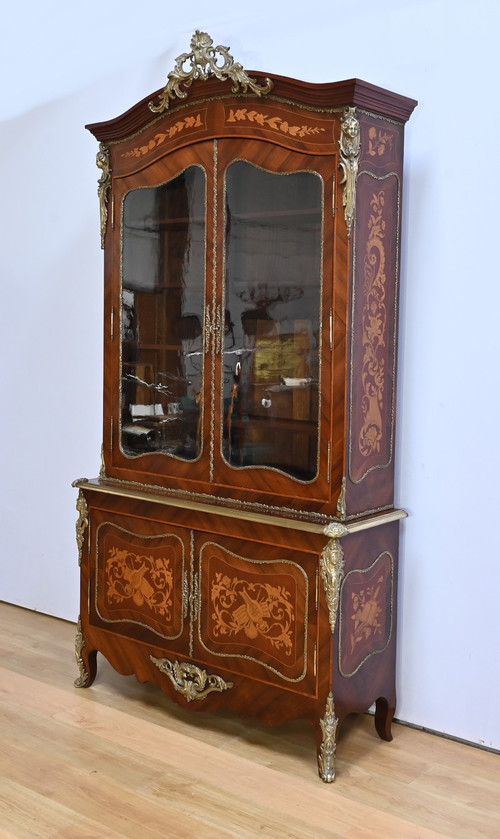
139,579
256,611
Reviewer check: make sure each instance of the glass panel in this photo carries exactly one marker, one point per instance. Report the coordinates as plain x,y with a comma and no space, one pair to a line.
163,278
272,319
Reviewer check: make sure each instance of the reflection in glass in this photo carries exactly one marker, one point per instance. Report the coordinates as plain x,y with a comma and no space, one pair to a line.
273,268
163,277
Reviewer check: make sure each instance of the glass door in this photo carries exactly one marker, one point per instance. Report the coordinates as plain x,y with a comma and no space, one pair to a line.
163,301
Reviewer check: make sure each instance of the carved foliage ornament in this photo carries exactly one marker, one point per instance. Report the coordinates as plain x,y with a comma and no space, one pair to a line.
200,63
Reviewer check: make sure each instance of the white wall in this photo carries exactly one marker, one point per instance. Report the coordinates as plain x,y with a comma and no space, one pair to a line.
65,64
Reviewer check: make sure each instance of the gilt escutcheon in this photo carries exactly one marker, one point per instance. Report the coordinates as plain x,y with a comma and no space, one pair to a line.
191,681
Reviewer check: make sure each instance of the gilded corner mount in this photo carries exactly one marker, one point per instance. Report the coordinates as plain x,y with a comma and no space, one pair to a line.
201,63
103,185
332,568
350,152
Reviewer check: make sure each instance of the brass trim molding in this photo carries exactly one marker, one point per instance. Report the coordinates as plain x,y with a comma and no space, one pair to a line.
189,680
201,63
350,152
332,568
328,750
150,494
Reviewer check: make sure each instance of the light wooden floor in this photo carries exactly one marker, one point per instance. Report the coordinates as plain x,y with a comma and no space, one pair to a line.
120,760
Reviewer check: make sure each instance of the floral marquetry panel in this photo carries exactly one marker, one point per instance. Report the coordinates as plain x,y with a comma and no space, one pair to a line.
382,144
373,361
139,581
255,611
366,613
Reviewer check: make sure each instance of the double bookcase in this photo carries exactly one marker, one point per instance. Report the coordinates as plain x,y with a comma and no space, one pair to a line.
240,545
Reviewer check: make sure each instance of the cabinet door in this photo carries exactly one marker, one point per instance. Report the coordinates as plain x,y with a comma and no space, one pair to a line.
139,579
257,611
160,262
276,279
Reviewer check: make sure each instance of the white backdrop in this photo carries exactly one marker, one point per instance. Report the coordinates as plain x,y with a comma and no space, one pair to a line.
65,64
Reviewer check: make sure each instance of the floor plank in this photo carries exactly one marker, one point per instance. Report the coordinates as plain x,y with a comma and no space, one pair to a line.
120,761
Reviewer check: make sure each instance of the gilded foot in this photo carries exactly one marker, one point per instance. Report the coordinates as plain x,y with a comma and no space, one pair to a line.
328,747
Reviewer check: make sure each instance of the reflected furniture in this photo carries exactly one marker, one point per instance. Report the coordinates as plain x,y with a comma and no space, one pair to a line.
240,545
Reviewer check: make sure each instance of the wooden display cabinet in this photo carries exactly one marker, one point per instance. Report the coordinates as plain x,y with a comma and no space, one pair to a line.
240,546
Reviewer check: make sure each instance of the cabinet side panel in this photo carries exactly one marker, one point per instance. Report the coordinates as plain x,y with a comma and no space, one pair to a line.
373,326
367,620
